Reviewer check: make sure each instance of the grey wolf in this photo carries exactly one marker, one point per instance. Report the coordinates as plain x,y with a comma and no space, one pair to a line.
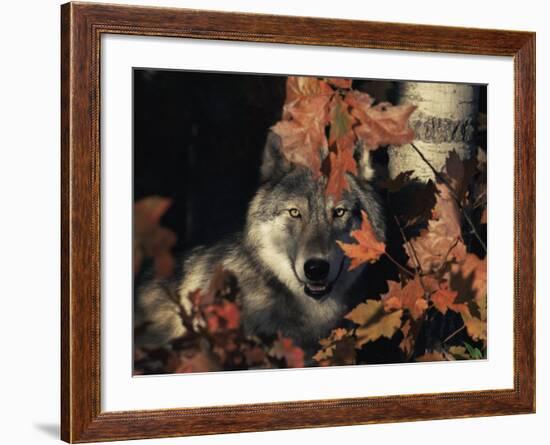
293,277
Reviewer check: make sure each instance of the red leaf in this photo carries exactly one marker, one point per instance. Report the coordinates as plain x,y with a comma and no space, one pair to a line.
284,348
369,248
150,239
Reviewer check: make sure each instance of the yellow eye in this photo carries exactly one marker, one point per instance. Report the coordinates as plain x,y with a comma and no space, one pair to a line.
339,212
295,213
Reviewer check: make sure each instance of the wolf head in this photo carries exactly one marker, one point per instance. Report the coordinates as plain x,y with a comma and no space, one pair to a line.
292,226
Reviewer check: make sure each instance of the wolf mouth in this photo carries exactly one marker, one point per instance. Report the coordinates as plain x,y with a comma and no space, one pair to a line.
319,290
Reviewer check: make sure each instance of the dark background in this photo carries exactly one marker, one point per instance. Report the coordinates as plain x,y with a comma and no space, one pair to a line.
198,138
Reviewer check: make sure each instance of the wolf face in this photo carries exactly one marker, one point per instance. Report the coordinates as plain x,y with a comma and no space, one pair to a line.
293,226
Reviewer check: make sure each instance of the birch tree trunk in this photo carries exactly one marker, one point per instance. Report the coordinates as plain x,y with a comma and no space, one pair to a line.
445,120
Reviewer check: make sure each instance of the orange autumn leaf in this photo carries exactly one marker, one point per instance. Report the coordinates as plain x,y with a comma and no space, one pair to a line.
411,297
441,242
342,140
469,279
444,299
339,82
382,124
305,116
369,248
340,162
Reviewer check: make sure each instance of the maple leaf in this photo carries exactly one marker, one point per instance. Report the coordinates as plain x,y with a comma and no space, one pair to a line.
382,124
342,139
444,299
284,348
469,279
394,185
340,162
410,297
441,242
374,322
303,87
412,201
339,82
337,349
305,116
460,173
407,344
149,238
369,248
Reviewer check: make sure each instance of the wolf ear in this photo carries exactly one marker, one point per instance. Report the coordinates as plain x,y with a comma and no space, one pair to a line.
274,164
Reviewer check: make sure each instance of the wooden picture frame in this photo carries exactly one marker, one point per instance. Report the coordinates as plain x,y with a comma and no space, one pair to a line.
82,26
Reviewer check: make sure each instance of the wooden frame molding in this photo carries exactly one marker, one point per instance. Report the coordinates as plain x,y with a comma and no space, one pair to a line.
81,28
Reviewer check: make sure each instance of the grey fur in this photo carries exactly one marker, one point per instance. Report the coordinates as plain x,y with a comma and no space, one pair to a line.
268,258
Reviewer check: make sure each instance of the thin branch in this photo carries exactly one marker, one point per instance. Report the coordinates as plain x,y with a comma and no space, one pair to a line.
399,265
455,333
453,194
418,268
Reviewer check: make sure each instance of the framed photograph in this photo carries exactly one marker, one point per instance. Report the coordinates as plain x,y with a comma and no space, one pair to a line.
275,222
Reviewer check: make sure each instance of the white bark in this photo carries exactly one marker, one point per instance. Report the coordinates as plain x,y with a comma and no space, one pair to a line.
444,121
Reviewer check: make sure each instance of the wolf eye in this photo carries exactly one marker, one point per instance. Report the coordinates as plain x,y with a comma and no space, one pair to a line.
339,212
295,213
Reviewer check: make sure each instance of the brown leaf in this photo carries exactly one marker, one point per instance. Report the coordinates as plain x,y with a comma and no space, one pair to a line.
369,248
410,297
374,322
338,349
396,184
460,173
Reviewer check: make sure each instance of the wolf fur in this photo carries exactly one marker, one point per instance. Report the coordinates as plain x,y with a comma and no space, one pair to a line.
268,257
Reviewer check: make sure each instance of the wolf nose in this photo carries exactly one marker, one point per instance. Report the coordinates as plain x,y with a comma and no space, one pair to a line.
316,269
